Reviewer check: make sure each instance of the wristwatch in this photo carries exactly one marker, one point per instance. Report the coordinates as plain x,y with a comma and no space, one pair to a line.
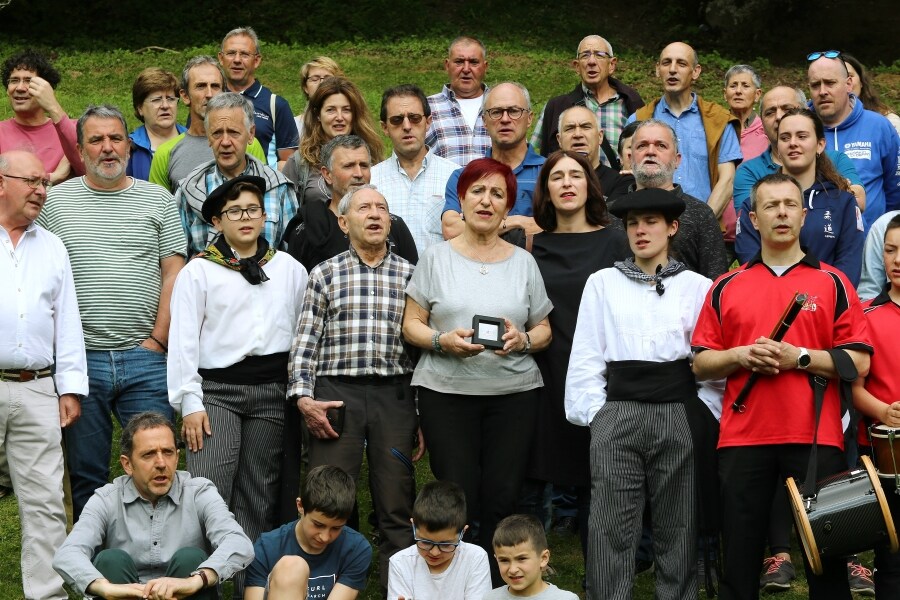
203,576
804,359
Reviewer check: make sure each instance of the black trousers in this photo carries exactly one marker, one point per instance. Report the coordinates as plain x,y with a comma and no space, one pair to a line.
750,476
481,443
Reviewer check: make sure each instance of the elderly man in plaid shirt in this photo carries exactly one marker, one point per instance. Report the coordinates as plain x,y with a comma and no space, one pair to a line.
457,129
350,370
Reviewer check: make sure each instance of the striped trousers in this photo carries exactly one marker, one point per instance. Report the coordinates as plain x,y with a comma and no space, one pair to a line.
242,457
637,446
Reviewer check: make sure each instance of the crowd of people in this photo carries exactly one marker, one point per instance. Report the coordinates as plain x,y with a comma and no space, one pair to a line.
578,326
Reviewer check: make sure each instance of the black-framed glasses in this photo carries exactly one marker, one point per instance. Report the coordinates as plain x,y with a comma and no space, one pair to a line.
826,53
515,112
32,182
426,545
414,118
598,54
236,214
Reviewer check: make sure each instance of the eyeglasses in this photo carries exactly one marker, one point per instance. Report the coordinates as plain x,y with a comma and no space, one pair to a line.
159,100
231,54
397,120
316,78
515,112
32,182
598,54
826,53
426,545
236,214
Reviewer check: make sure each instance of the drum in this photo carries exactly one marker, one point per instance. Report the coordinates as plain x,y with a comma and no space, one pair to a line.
886,450
849,515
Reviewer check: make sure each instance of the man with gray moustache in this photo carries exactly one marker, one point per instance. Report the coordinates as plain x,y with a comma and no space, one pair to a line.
655,157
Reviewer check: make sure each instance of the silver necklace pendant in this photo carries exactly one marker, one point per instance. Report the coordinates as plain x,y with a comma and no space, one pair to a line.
483,270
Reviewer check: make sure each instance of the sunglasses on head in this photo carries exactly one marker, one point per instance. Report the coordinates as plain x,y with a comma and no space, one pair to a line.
826,53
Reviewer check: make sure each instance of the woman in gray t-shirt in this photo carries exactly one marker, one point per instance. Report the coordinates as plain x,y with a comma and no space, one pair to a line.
477,405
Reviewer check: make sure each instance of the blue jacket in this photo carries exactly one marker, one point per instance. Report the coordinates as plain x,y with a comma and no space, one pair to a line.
832,231
874,147
141,154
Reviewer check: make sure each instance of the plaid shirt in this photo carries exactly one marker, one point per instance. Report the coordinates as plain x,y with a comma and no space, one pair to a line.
449,136
612,115
420,201
350,322
279,202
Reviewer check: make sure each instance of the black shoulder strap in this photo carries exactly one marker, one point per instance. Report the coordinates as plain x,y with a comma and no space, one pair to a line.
607,148
847,374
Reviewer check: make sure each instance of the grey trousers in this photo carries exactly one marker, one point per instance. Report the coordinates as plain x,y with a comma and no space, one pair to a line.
242,457
636,447
381,419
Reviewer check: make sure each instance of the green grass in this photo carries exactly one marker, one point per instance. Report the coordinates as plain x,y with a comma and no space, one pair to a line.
106,76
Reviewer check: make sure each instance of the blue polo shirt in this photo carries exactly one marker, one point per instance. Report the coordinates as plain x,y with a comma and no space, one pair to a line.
526,178
693,173
285,129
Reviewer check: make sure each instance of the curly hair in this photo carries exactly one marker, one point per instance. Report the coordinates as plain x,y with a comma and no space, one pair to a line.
31,60
314,136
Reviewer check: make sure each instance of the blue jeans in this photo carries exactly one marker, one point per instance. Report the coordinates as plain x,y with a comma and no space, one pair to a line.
124,383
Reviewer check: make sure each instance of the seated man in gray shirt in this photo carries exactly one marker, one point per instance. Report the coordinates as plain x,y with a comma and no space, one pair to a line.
147,534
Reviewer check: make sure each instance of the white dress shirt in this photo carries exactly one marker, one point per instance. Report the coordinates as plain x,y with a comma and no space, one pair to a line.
623,319
39,317
219,319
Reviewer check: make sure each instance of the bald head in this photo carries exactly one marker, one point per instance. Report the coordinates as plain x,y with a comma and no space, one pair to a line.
774,104
830,87
678,68
20,204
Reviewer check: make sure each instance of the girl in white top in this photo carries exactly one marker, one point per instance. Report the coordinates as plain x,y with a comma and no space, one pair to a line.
630,380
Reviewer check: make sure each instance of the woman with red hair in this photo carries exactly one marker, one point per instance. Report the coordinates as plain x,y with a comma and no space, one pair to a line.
477,401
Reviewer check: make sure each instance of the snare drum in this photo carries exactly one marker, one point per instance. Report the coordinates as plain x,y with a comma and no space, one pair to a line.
885,450
849,515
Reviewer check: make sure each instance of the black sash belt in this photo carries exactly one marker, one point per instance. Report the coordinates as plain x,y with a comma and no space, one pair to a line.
268,368
646,381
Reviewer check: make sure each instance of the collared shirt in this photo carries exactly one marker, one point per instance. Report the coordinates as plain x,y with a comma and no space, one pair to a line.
350,321
279,202
622,319
281,126
449,136
38,311
526,178
192,514
420,201
693,173
612,115
219,319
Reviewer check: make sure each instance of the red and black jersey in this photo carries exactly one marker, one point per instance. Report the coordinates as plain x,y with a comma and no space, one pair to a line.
883,380
745,304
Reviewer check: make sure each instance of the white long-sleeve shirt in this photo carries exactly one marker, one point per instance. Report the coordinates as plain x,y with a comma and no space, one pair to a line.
623,319
39,320
219,319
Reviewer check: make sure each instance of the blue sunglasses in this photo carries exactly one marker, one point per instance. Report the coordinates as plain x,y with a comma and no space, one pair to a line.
826,53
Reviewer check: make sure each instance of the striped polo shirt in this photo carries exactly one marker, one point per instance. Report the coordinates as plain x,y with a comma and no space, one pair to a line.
115,242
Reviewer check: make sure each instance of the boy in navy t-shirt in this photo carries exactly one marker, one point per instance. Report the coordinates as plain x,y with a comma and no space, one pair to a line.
316,556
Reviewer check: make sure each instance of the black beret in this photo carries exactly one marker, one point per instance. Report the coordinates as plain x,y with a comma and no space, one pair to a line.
649,200
213,204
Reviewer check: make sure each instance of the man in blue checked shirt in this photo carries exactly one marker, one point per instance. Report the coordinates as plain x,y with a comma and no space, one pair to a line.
229,128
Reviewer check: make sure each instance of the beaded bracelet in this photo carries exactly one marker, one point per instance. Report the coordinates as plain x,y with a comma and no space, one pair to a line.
436,341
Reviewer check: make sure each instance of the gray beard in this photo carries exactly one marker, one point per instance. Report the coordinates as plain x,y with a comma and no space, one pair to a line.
658,179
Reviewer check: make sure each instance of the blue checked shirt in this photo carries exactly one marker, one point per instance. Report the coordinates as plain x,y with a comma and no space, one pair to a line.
420,201
350,322
449,136
279,202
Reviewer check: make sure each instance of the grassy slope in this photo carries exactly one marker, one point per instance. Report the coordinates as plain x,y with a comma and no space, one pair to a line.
94,77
